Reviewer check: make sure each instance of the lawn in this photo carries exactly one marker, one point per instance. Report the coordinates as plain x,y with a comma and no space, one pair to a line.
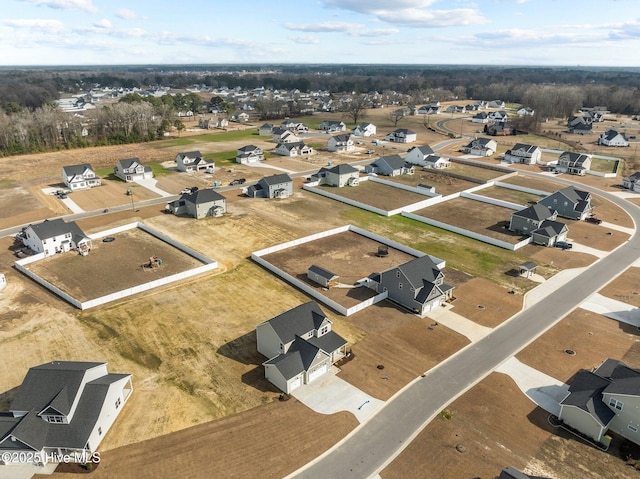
378,195
604,166
507,194
476,172
210,137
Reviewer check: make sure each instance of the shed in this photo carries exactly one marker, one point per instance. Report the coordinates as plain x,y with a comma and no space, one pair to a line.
322,276
528,269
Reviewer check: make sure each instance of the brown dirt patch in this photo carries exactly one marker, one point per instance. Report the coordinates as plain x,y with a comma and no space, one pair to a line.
444,185
556,258
220,448
475,216
535,183
609,212
476,172
407,348
625,288
378,195
111,193
114,266
485,302
506,194
593,337
595,236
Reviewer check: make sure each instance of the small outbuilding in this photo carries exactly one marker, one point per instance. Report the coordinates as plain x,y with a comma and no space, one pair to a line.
322,276
528,269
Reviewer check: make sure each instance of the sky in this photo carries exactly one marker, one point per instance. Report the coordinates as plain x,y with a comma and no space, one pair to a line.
487,32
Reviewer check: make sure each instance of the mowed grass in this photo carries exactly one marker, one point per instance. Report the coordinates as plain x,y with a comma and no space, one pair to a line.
604,166
212,138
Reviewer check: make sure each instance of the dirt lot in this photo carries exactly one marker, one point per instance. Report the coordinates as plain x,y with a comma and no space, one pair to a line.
506,194
378,195
476,172
110,193
476,216
444,185
595,236
536,183
111,267
625,288
485,302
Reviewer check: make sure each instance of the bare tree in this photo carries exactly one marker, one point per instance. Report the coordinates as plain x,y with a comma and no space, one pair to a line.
396,115
355,107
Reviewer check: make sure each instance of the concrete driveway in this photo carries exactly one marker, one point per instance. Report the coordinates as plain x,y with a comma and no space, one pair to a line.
25,471
612,308
460,324
330,394
150,184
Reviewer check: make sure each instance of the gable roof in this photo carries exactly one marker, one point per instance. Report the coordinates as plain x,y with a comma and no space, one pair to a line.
403,131
297,321
524,148
323,273
585,392
424,149
128,162
580,199
535,212
395,162
574,159
550,229
419,269
343,169
248,149
342,138
277,179
297,359
205,195
190,154
56,227
75,170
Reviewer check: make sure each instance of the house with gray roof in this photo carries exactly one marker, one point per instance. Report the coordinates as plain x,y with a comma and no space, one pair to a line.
569,202
523,154
417,285
579,125
549,233
480,147
249,154
339,175
424,155
55,236
573,163
79,177
632,182
365,129
199,204
340,143
63,408
266,129
402,135
322,276
274,186
390,165
612,137
131,169
480,117
602,400
539,221
300,345
331,126
297,148
193,161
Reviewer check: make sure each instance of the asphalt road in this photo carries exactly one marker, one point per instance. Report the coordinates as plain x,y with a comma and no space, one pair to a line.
367,450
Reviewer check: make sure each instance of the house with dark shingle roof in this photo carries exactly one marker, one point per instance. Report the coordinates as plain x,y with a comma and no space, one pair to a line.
424,155
131,169
612,137
339,175
602,400
199,204
79,177
580,125
274,186
569,202
331,126
402,135
573,163
297,148
249,154
63,407
365,129
632,182
55,236
193,161
417,285
549,233
524,154
480,147
322,276
339,143
390,165
528,219
300,344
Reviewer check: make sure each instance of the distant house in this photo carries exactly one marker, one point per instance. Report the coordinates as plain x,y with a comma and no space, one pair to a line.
573,163
525,154
612,137
339,175
455,109
284,136
79,177
632,182
540,223
569,202
417,285
499,128
340,143
429,110
481,147
391,165
602,400
294,126
525,111
193,161
249,154
365,130
496,104
199,204
480,117
331,126
265,130
579,125
63,408
131,169
401,135
321,276
498,116
274,186
300,345
240,116
293,149
55,236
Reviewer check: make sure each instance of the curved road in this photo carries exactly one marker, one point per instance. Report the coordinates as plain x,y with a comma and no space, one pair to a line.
375,443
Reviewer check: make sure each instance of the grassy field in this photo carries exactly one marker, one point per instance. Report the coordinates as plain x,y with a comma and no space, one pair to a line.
604,166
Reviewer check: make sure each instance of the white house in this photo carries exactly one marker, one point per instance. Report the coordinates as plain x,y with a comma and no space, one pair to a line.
249,154
300,345
525,111
63,408
521,153
130,169
340,143
331,126
365,130
612,137
632,182
402,135
573,163
293,149
79,177
280,135
480,117
54,236
193,161
481,147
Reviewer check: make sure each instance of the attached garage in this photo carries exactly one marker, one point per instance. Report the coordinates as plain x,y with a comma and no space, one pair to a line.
319,371
295,383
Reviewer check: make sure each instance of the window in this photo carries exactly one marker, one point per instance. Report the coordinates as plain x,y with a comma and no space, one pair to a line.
613,402
324,330
118,402
632,428
56,419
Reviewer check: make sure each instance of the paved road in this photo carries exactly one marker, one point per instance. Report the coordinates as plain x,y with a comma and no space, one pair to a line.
373,445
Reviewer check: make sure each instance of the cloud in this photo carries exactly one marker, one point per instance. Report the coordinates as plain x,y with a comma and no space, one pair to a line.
127,14
305,40
104,23
84,5
411,13
353,29
626,31
45,25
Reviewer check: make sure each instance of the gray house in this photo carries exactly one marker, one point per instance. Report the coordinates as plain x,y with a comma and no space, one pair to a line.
573,163
569,202
529,219
266,130
249,154
274,186
481,147
63,408
525,154
606,399
417,285
199,204
339,175
579,125
632,182
391,165
549,233
300,344
131,169
332,125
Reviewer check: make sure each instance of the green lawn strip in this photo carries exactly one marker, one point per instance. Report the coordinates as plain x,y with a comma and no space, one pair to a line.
474,257
604,166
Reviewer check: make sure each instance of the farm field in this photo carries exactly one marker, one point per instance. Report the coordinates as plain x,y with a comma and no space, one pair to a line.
377,195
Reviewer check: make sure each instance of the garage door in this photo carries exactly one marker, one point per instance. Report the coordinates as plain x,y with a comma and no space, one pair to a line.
295,383
318,372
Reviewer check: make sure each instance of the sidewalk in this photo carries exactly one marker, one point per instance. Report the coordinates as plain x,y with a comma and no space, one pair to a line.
540,292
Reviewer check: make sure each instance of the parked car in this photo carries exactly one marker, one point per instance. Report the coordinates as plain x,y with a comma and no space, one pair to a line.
370,152
186,191
563,245
593,219
237,181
